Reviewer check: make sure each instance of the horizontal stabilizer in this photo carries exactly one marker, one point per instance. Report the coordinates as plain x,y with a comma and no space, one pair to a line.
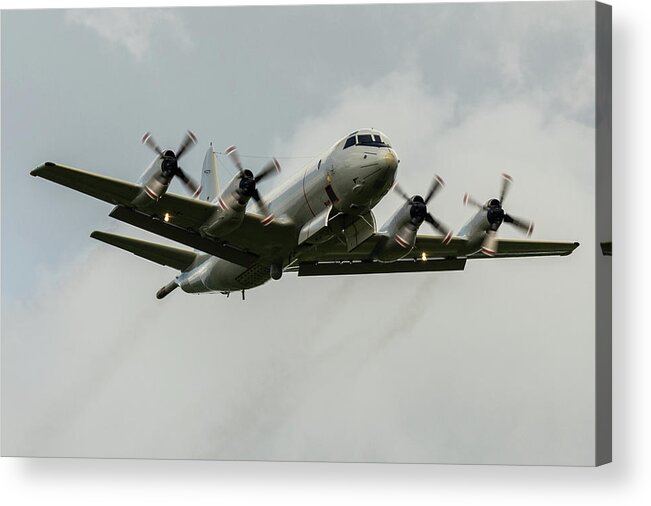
177,258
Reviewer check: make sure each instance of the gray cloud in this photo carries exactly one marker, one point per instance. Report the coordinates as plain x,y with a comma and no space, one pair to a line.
131,29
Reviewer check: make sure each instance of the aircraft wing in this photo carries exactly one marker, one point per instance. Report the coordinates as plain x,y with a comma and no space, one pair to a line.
429,254
184,215
515,248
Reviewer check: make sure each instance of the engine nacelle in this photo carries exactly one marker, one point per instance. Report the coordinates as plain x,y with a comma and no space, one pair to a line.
154,183
156,186
400,237
395,246
229,216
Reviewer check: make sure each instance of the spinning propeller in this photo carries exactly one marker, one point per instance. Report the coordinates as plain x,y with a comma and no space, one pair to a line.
248,182
495,215
418,208
170,161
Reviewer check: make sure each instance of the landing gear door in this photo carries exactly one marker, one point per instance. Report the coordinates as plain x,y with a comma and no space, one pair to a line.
316,230
359,230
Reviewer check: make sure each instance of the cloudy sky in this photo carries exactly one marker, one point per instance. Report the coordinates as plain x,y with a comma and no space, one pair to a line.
491,365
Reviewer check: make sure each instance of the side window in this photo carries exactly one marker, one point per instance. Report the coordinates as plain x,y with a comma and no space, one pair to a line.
349,142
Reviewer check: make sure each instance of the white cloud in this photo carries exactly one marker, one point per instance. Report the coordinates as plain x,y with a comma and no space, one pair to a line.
131,29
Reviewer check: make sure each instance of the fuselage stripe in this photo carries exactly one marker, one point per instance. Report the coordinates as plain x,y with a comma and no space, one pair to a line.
151,193
307,201
401,241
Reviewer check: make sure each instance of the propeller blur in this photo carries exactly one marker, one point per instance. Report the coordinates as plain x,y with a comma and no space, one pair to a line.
481,230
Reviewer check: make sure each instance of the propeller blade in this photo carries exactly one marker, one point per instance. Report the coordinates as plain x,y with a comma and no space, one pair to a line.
231,152
272,167
148,140
523,225
263,208
436,224
489,246
467,199
436,184
398,189
188,182
189,140
447,233
506,183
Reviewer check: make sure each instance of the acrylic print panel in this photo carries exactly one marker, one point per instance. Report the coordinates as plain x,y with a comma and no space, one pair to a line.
440,353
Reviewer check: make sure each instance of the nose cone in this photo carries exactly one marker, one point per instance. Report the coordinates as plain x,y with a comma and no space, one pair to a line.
391,160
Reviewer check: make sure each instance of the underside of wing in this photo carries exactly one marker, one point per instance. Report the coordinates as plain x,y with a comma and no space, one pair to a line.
374,267
335,251
184,236
513,248
174,216
108,189
429,254
332,258
177,258
183,211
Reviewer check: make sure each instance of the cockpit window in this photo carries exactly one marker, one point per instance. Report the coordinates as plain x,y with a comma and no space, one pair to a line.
371,140
366,140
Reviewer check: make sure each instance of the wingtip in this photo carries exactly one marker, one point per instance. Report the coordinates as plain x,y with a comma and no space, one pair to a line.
38,170
101,236
576,244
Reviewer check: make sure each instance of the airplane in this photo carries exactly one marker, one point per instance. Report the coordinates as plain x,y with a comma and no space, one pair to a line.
319,222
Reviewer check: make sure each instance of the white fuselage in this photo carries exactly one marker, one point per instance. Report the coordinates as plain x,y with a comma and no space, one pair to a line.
350,178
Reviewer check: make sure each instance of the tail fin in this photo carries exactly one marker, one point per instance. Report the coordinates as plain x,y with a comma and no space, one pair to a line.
209,185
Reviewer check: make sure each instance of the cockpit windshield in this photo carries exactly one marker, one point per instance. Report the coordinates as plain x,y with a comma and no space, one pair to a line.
366,140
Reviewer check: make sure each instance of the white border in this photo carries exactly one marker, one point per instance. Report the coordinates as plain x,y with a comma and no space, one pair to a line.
626,481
